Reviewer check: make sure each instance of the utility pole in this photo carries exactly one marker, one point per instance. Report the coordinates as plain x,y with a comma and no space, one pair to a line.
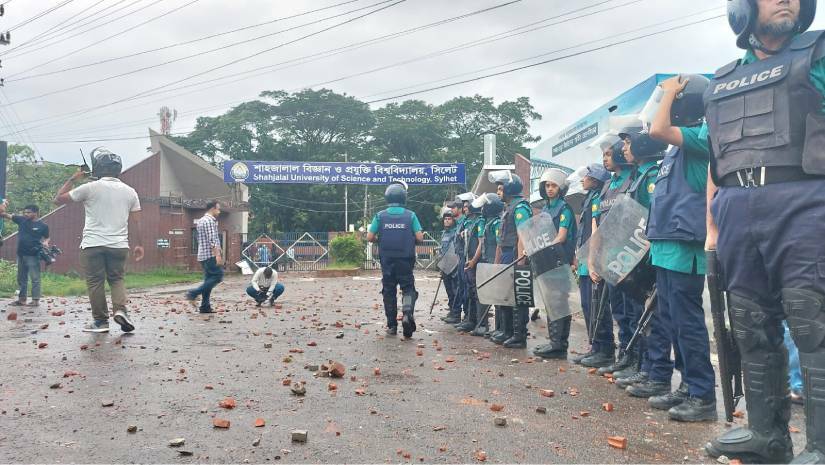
346,201
5,39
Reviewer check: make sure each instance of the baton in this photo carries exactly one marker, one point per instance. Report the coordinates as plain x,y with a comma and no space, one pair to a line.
644,320
435,297
499,273
600,310
483,317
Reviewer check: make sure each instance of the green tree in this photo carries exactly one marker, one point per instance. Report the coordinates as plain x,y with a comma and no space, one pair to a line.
30,181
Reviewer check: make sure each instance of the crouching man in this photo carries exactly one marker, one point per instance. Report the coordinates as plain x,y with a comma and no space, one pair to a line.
265,286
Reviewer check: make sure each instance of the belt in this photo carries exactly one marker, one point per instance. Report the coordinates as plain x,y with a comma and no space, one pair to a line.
764,175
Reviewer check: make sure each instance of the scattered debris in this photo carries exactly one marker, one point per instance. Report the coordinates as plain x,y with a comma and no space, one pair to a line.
177,442
131,429
227,403
618,442
299,435
107,403
542,410
298,389
500,421
547,393
496,407
220,423
607,407
259,423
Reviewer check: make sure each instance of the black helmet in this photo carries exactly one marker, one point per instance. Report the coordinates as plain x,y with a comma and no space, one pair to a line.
105,163
511,182
396,193
688,107
490,204
645,147
617,154
742,15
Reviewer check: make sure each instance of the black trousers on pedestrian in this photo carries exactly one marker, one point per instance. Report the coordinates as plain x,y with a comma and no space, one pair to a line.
396,272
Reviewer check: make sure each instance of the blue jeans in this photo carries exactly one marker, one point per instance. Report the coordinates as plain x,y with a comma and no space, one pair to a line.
260,296
28,266
794,370
212,276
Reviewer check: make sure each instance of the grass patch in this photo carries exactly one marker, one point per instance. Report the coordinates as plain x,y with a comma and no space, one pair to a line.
64,285
343,266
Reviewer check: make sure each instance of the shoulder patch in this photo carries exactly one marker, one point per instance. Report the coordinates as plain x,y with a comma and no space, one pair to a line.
562,217
651,187
594,208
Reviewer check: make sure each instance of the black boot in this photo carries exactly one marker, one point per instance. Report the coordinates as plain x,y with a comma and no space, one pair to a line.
624,383
481,323
579,357
600,359
630,366
622,362
521,316
671,399
506,325
694,409
408,310
472,318
648,389
758,333
559,333
498,324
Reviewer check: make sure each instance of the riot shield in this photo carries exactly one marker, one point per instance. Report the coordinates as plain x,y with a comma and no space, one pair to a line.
618,251
500,290
448,261
553,279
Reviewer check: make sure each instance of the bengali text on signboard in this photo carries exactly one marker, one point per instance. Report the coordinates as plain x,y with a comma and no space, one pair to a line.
289,172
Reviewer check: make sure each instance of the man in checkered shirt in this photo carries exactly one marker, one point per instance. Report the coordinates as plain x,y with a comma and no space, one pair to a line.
209,256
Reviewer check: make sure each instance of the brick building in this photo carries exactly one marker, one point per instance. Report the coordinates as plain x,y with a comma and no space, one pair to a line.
174,186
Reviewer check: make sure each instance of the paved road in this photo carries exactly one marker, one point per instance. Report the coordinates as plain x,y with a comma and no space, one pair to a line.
431,401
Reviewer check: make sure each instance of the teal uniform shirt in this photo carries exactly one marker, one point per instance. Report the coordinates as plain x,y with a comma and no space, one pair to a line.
480,225
594,207
645,190
566,218
682,256
522,212
416,225
615,182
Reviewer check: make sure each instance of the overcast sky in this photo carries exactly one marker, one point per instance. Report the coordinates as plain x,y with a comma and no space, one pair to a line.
561,91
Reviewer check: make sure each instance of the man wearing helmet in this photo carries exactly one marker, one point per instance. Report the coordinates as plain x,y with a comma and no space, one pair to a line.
552,187
517,210
458,302
112,211
397,231
491,209
676,233
473,230
767,132
602,348
447,246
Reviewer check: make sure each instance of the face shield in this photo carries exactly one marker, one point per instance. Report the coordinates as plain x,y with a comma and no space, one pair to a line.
500,177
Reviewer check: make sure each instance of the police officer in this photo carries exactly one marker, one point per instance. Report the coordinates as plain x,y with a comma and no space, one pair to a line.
676,232
624,311
454,317
397,231
447,244
473,229
462,201
766,124
602,349
517,210
552,188
644,152
491,209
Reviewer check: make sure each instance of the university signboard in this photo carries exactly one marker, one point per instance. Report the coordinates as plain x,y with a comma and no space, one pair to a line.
289,172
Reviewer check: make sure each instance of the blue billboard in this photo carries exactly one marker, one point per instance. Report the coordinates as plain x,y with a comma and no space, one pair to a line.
293,172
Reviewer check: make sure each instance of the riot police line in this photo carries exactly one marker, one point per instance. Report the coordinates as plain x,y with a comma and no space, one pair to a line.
719,178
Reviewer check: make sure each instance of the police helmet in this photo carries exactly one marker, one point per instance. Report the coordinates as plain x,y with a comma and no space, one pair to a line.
105,163
557,177
688,107
617,155
598,172
511,182
490,204
742,16
446,212
396,193
643,146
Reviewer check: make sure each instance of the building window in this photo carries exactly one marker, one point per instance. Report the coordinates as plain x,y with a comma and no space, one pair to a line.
194,241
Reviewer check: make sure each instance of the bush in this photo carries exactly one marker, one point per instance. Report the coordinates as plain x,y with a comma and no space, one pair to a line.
347,249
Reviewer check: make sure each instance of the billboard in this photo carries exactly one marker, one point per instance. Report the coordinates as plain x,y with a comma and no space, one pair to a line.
291,172
569,147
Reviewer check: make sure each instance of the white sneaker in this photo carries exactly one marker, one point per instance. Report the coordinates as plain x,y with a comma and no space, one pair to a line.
123,320
97,326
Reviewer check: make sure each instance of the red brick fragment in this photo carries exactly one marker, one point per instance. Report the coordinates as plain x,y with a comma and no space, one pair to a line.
220,423
618,442
228,403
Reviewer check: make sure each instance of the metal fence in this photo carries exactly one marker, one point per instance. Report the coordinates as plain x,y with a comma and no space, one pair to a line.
309,251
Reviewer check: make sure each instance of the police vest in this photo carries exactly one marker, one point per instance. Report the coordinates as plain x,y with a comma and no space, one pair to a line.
488,250
677,211
569,245
757,114
642,178
459,239
396,238
509,235
585,228
609,197
447,239
472,236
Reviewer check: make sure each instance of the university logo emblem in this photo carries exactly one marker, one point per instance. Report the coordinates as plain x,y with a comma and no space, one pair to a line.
239,172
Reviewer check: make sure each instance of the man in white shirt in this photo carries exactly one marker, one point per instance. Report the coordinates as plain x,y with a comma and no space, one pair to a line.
112,211
265,285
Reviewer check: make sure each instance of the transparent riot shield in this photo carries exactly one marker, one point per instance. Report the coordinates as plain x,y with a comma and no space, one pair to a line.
553,279
618,251
448,261
500,290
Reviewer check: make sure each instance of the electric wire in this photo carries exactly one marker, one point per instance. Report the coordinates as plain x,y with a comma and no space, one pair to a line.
112,36
175,60
178,44
39,15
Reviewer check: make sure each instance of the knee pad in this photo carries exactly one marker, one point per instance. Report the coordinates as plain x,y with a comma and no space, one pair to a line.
755,327
805,311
